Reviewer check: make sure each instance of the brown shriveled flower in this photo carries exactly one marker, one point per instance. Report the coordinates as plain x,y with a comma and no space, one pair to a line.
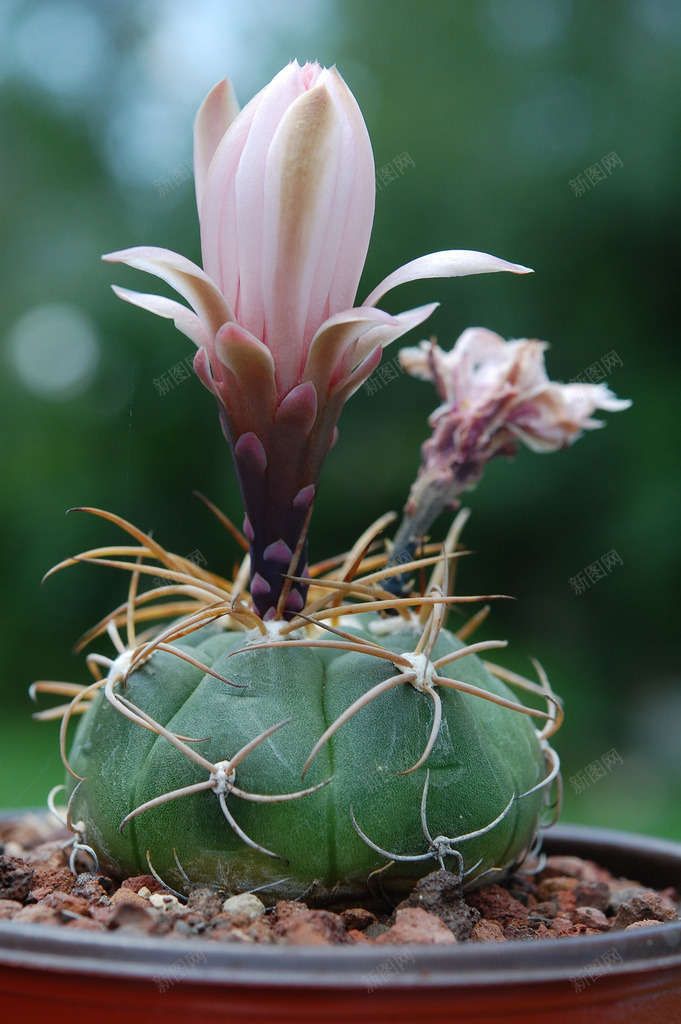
494,394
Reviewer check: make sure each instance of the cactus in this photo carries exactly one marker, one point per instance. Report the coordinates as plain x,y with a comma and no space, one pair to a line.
193,745
313,729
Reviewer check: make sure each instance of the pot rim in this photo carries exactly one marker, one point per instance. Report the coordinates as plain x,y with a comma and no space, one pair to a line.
658,861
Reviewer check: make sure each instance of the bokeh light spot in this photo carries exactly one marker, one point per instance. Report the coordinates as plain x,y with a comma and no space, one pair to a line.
55,351
529,24
662,17
61,46
552,126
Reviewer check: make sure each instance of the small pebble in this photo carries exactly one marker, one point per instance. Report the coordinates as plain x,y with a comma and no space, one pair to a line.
47,879
310,928
554,884
8,908
133,917
561,926
204,901
357,918
592,917
592,894
487,931
374,931
66,902
440,893
92,887
128,896
148,882
621,891
38,912
163,901
496,904
573,867
84,922
286,908
243,909
14,850
16,878
414,925
646,906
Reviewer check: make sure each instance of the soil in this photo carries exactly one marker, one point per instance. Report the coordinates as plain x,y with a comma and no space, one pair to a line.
561,897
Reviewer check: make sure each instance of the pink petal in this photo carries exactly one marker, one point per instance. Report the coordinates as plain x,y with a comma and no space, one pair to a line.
298,411
448,263
310,73
279,552
185,320
336,337
418,362
543,444
184,276
203,372
244,223
601,397
247,389
214,117
235,348
361,330
357,377
303,498
250,453
383,334
300,187
259,586
351,217
218,212
480,362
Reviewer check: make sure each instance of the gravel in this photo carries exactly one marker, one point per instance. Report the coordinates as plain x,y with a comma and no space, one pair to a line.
567,897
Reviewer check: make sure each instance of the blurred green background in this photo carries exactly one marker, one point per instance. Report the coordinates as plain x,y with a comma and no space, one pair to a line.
489,122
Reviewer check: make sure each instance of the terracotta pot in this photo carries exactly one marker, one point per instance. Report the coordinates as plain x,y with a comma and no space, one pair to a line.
61,977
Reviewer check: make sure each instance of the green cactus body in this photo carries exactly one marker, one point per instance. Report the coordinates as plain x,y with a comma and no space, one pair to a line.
483,756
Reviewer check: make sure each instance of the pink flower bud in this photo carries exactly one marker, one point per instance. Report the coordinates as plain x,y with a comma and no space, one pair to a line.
285,191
